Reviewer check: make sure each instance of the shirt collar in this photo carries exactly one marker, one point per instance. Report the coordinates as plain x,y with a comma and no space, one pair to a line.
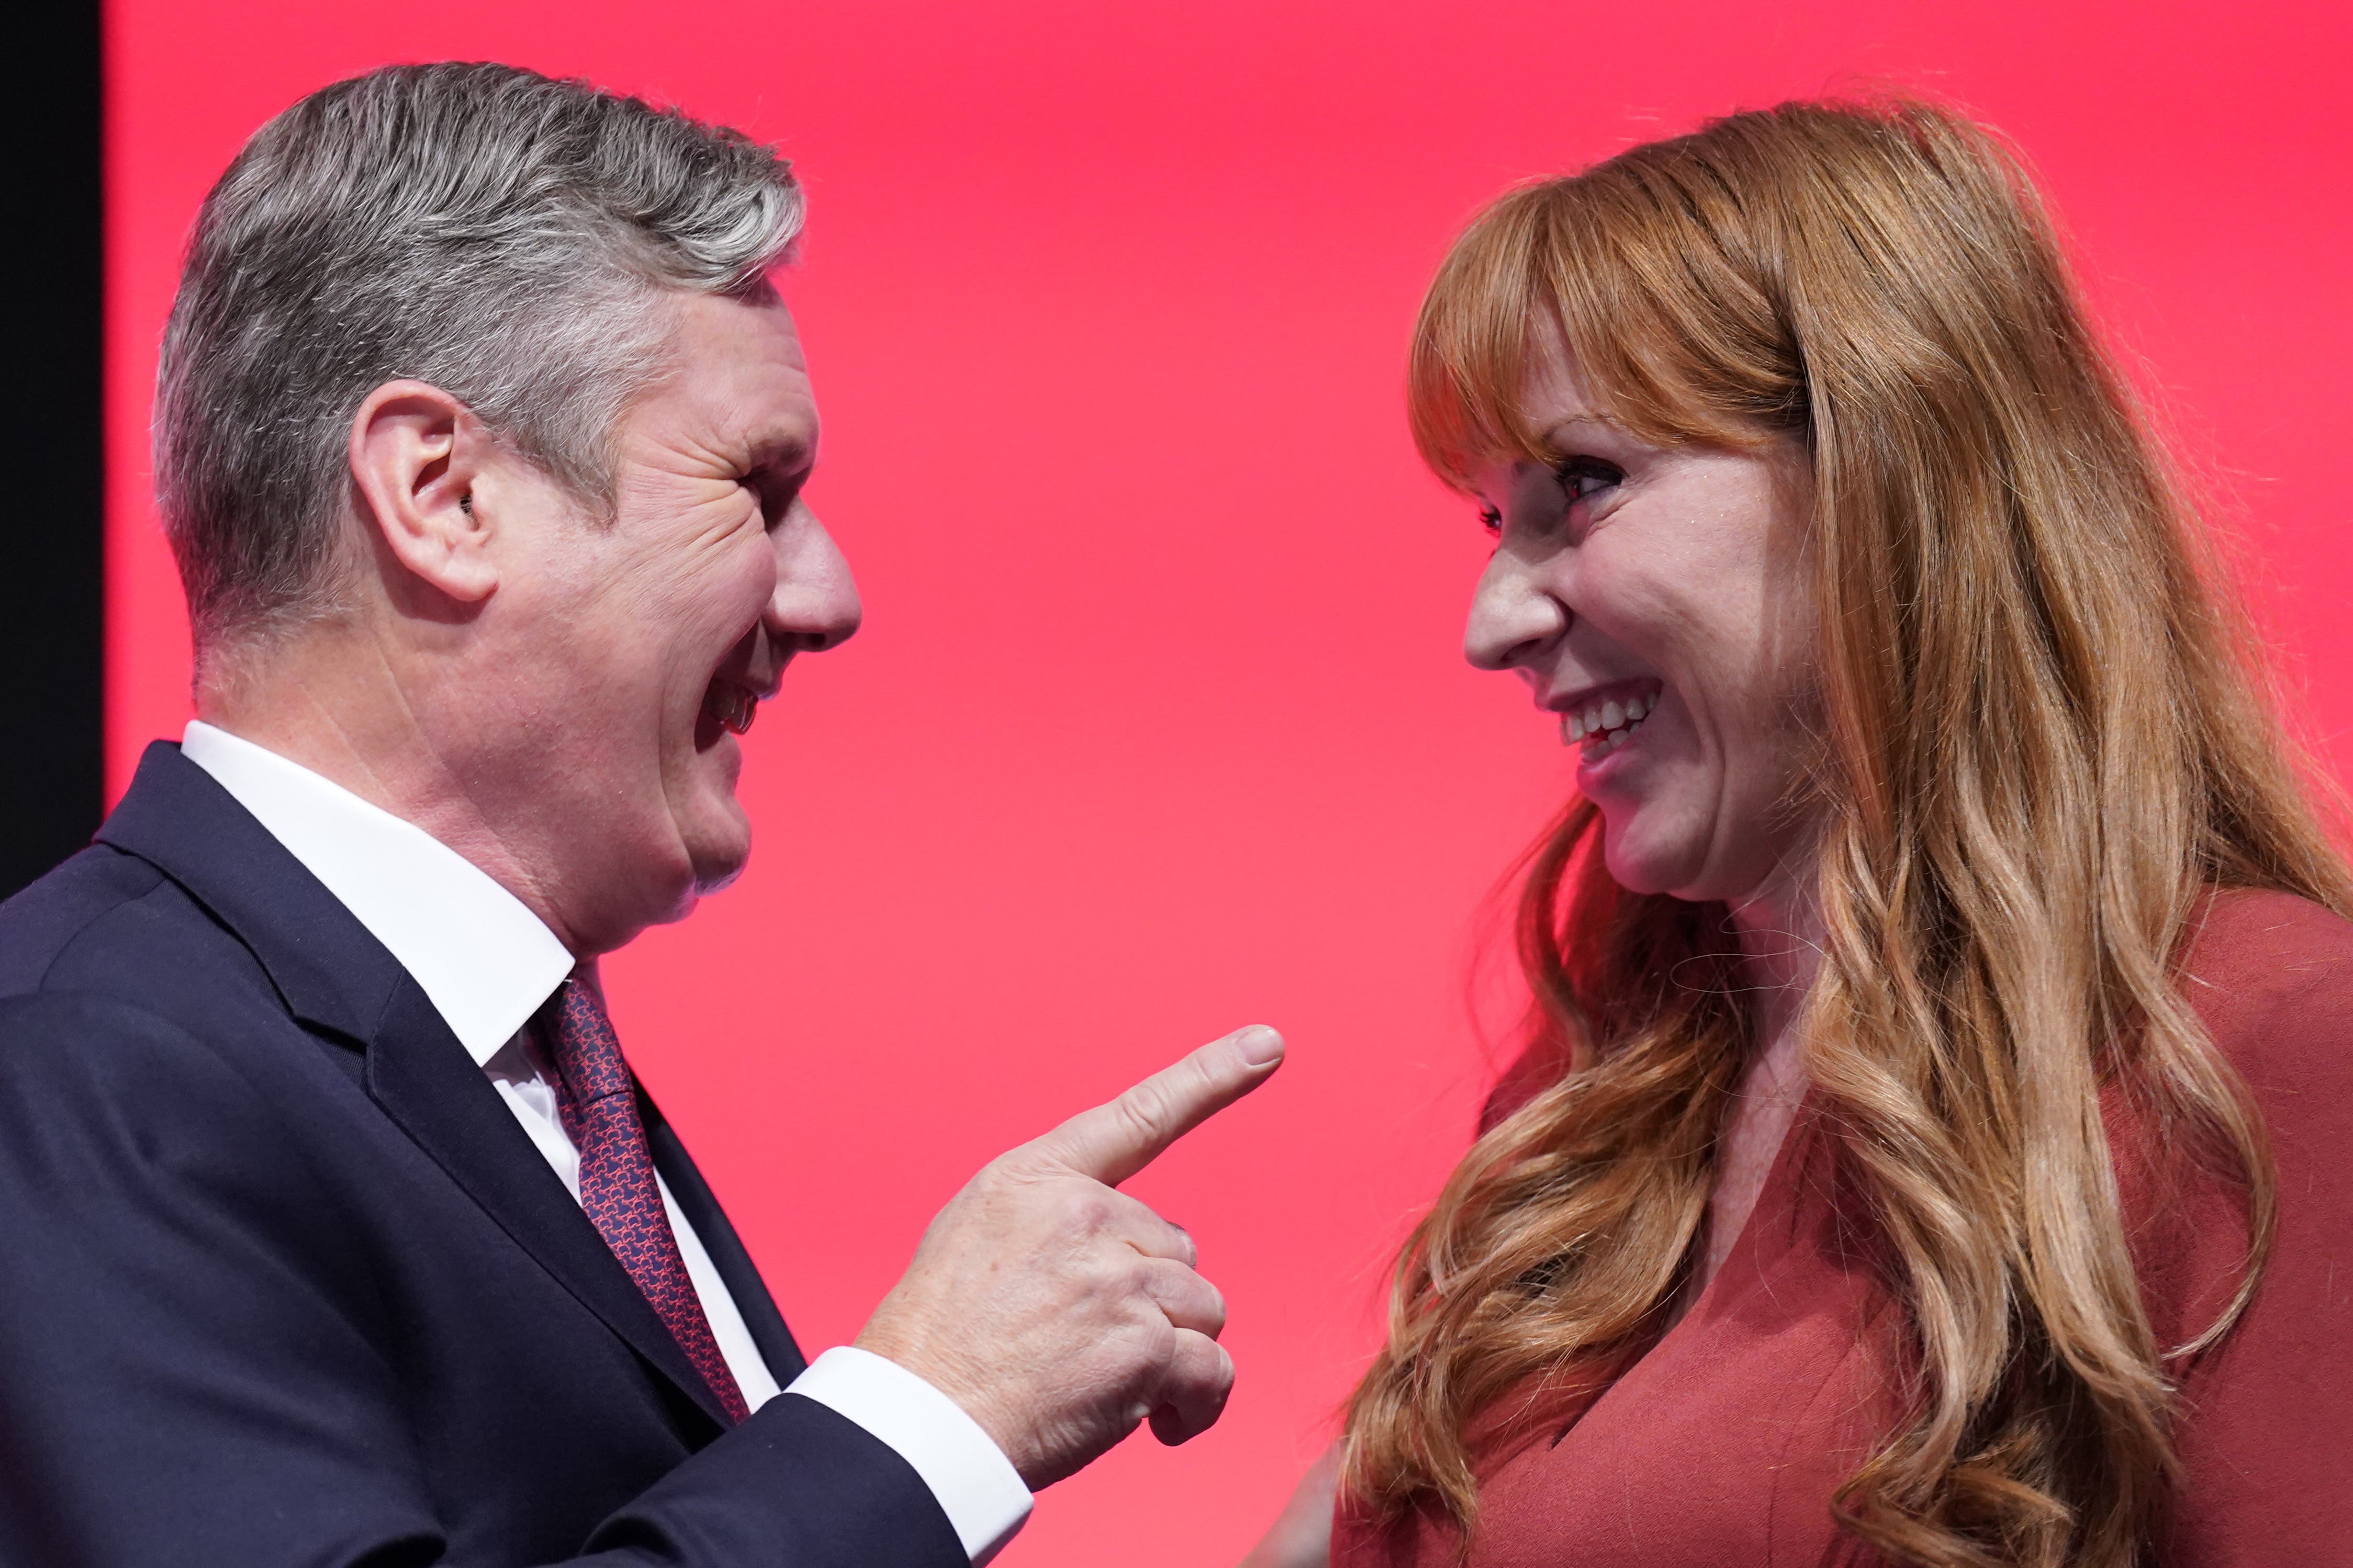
483,960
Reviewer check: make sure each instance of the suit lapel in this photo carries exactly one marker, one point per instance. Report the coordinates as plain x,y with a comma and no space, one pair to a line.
328,970
424,1079
737,1270
338,980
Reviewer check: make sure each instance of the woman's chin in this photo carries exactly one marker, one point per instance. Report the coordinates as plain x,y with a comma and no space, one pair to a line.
1644,861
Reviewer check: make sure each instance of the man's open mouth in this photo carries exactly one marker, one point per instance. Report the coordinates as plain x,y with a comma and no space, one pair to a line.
733,706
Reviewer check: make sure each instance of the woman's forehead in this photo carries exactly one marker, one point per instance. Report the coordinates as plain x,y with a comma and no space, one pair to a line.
1556,396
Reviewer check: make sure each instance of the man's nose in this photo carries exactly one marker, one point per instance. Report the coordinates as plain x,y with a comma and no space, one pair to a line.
816,604
1510,615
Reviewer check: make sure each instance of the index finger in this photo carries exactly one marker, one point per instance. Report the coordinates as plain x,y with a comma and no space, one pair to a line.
1112,1142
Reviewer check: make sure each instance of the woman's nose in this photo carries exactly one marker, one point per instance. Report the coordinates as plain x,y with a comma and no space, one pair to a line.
816,604
1511,614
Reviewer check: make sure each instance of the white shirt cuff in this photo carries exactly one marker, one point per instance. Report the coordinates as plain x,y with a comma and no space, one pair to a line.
975,1484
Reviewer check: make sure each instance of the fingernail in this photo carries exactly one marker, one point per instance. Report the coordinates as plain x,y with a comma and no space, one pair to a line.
1259,1045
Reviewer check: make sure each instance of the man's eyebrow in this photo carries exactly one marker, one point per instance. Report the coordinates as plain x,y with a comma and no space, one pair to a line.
783,455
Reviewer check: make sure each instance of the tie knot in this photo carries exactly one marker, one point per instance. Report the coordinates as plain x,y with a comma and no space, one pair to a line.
587,1052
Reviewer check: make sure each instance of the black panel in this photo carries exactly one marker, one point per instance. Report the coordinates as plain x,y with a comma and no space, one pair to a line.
53,487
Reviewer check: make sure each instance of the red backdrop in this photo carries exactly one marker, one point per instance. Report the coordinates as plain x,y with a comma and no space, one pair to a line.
1158,724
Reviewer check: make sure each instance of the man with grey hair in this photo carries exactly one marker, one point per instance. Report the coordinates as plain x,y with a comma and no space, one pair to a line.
337,1230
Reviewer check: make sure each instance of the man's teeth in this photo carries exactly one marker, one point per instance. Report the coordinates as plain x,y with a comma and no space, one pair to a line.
1604,725
733,706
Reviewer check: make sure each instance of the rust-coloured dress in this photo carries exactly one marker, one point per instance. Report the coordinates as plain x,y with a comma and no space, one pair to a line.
1721,1447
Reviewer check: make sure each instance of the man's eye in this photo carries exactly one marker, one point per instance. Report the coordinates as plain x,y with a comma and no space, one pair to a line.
773,499
1580,477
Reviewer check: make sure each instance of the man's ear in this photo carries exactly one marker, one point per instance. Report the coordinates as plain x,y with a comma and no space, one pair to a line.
416,454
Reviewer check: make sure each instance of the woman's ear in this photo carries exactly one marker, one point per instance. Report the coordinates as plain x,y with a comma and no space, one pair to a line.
416,453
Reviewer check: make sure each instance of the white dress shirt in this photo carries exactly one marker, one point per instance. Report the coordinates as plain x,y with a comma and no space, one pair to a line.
487,964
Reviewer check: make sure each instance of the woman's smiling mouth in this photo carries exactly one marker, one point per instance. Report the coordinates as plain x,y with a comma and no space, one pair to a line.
1604,717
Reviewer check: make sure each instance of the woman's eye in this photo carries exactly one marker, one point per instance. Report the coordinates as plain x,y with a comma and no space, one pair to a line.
1491,519
1580,477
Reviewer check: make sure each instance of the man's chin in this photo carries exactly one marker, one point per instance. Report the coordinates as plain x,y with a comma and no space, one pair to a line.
720,853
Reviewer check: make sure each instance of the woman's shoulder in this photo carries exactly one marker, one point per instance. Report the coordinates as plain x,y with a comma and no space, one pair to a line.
2263,1424
2271,976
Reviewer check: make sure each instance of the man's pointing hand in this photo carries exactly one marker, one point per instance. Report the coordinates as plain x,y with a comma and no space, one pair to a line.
1060,1313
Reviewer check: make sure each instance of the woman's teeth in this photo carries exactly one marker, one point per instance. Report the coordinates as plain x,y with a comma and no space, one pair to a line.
731,705
1604,726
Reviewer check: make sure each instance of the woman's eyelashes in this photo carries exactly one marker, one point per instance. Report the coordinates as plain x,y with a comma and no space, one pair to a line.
1579,477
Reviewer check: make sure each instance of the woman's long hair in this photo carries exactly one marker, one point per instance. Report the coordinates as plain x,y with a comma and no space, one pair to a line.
2040,747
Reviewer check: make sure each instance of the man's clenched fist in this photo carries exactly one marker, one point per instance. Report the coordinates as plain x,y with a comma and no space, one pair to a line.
1059,1311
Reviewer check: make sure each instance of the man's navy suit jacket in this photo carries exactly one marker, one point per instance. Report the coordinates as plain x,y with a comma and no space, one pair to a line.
283,1282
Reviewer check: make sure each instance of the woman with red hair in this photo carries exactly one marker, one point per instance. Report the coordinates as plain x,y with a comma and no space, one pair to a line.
1930,1141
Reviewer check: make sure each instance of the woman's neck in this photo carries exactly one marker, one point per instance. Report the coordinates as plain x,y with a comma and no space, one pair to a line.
1779,929
1781,951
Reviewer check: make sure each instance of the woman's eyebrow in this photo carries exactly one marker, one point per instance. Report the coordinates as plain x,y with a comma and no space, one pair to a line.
1575,423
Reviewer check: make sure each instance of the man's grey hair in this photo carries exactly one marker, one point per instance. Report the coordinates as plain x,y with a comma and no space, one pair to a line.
501,236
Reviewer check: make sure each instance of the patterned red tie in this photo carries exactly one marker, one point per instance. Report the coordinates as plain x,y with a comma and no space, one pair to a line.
594,1091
